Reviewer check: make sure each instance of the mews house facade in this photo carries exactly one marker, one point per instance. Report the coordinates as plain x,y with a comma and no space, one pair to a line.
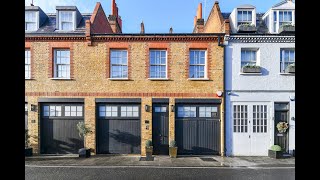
260,81
127,88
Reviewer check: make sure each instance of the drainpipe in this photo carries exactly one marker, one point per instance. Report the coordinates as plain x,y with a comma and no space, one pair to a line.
224,102
225,43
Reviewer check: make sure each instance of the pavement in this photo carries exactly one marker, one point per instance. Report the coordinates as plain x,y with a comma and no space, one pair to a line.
159,161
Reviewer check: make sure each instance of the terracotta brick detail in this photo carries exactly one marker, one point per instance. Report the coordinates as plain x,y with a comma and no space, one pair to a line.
130,94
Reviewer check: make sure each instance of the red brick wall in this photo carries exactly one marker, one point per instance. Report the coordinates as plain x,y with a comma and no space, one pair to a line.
99,21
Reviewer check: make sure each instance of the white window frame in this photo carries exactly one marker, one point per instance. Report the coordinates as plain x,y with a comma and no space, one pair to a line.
72,21
244,22
27,63
36,21
119,64
205,64
276,23
249,61
283,63
55,66
285,22
166,63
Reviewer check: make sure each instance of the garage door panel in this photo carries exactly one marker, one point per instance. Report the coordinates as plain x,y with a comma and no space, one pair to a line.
119,136
59,133
186,131
118,133
61,136
207,130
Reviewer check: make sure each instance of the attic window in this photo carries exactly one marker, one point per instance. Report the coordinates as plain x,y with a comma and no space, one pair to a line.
66,20
30,21
244,17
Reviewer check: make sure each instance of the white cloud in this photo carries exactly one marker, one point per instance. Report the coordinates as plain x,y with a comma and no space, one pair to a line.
49,6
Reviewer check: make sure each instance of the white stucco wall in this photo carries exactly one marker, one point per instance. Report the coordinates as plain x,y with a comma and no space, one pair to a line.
270,87
268,59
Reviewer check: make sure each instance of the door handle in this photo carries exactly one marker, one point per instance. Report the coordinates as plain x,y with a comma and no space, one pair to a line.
160,135
249,136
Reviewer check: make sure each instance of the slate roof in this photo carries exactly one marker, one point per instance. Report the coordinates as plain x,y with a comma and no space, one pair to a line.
49,26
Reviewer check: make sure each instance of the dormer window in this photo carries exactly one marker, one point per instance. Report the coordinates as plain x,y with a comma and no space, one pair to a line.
285,17
30,21
244,17
66,20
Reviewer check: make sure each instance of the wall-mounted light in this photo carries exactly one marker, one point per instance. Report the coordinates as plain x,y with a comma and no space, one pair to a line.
147,108
219,93
33,107
292,98
172,108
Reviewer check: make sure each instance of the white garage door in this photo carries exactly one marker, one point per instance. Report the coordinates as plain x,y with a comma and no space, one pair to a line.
250,127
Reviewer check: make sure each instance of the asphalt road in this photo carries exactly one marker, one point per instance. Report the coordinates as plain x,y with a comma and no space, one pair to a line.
77,173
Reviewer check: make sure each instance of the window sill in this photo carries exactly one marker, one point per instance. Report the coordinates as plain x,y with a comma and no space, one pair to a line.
158,79
287,74
254,74
119,79
65,79
198,79
29,79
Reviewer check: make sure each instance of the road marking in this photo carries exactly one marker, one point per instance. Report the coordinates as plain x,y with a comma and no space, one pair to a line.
159,167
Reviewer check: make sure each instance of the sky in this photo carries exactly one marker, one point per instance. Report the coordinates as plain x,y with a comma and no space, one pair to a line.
158,15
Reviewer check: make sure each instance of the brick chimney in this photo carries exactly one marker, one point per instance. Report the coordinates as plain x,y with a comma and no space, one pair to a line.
198,20
114,18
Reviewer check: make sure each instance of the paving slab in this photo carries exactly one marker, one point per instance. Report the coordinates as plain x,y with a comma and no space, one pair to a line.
163,161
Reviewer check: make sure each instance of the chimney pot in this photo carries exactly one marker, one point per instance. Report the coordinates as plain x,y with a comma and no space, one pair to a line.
142,28
199,11
171,30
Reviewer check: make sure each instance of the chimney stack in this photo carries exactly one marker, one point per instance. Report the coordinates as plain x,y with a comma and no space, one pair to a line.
142,28
198,20
114,18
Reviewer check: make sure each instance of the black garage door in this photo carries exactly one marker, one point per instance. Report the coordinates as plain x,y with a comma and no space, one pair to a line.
118,128
197,129
59,134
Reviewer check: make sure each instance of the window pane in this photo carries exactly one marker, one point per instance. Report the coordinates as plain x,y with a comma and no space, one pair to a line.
108,113
244,15
79,113
67,113
239,15
135,114
249,15
290,16
102,114
157,109
280,16
114,113
163,109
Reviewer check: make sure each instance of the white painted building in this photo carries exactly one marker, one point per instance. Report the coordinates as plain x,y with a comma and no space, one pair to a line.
260,80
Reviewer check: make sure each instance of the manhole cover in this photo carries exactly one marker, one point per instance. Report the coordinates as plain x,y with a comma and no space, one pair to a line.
146,159
207,159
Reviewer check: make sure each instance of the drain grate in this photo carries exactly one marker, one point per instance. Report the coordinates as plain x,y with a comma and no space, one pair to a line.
146,159
207,159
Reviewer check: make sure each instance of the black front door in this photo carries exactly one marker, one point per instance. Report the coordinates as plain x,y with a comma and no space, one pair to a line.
160,129
281,139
